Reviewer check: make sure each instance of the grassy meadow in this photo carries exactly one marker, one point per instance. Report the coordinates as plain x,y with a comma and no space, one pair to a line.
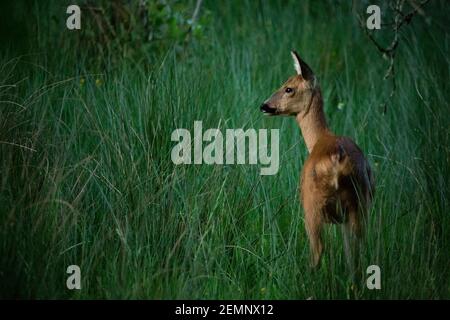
86,176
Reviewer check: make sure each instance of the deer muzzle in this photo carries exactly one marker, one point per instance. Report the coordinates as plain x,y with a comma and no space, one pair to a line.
265,108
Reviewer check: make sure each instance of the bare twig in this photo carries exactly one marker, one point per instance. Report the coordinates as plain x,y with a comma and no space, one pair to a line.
196,11
193,19
400,19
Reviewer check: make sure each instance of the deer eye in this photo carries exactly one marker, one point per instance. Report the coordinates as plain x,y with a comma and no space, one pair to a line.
288,90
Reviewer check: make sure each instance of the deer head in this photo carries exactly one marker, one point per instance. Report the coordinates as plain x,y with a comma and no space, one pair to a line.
296,94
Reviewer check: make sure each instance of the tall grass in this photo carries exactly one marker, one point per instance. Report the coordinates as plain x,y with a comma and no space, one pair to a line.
87,179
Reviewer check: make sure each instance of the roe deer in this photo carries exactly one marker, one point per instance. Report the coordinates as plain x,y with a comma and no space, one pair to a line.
336,183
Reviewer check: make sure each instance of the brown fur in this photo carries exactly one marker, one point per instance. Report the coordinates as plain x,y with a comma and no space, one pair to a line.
336,183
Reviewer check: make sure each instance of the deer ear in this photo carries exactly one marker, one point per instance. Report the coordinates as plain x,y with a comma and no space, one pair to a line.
301,67
297,66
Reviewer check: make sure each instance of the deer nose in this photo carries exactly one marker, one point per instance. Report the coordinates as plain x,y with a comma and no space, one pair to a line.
266,108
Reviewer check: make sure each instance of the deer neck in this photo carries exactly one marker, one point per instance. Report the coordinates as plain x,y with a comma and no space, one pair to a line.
312,122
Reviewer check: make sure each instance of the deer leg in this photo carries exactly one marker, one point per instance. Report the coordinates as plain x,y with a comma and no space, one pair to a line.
347,246
353,233
314,226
